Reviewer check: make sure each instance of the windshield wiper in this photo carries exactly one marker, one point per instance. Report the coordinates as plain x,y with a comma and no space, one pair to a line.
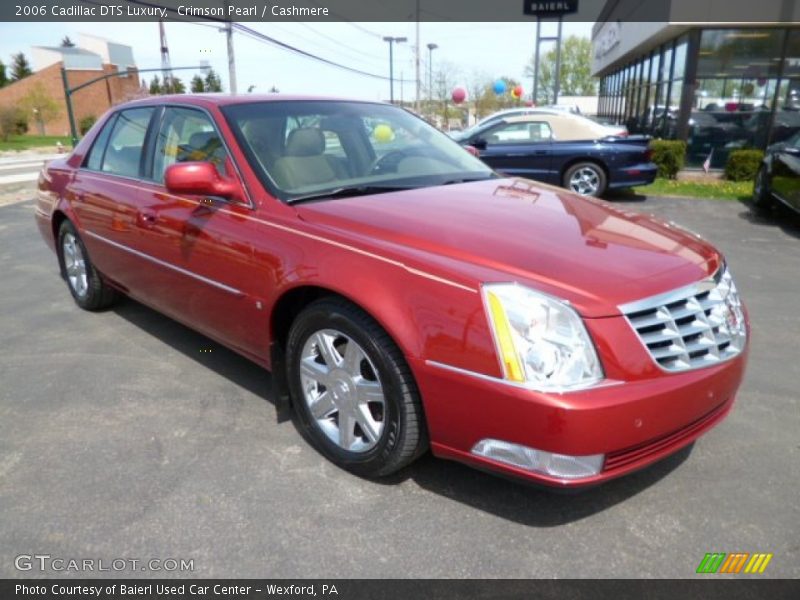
470,179
348,192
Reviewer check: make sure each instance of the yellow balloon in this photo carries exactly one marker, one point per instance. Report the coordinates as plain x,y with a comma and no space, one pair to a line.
383,133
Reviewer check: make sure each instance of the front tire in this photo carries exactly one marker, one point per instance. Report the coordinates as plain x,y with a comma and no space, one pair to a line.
762,198
586,179
85,284
353,394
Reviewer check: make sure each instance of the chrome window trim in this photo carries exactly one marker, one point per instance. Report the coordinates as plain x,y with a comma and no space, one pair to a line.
248,197
182,271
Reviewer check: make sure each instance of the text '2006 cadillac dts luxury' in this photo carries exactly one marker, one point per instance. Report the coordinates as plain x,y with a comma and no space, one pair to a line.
404,295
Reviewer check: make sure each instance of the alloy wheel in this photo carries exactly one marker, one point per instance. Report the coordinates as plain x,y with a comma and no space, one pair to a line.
342,390
75,265
585,181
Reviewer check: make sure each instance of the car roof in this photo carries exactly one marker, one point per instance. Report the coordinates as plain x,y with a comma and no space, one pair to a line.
222,99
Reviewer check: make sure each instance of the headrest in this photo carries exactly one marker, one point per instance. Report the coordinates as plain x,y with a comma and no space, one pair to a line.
201,139
306,141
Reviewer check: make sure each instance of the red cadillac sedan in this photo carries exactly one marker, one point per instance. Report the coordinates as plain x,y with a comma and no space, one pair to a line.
403,295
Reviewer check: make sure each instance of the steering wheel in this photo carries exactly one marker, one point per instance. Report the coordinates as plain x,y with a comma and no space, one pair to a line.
387,163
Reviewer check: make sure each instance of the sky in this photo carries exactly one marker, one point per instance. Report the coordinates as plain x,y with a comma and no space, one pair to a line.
468,49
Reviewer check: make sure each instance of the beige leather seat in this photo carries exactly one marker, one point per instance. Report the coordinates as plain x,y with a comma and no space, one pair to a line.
304,164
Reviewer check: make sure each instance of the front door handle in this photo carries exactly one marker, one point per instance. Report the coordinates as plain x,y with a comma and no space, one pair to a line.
146,219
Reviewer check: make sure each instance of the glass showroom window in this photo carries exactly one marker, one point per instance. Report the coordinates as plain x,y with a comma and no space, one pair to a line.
787,109
737,74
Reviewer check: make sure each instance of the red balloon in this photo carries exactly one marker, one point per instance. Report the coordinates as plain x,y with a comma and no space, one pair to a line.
459,95
518,91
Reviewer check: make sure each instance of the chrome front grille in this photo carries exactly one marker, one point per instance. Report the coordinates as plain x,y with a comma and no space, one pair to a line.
692,327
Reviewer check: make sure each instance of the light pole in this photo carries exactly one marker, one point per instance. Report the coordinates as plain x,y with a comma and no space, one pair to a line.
68,91
392,41
431,48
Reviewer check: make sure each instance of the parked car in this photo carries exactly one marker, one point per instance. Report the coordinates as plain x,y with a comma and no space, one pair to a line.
778,178
581,122
403,299
557,149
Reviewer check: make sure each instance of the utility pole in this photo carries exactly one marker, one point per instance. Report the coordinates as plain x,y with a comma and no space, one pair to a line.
416,61
231,58
166,71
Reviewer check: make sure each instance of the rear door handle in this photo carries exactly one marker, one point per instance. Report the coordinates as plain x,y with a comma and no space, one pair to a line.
146,219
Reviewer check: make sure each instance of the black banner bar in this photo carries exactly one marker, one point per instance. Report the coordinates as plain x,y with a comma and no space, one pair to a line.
702,11
707,588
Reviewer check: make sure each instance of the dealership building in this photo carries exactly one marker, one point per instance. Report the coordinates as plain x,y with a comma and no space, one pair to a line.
672,69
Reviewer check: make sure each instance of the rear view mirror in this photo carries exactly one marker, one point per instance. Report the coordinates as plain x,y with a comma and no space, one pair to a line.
200,178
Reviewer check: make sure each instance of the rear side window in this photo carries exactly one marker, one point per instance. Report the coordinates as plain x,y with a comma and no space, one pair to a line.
187,135
123,155
95,159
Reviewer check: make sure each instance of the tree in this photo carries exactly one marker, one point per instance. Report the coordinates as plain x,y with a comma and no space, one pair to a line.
43,106
67,43
576,70
3,76
20,67
176,86
197,85
155,86
444,80
213,82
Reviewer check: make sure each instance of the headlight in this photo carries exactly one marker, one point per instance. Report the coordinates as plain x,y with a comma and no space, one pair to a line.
541,341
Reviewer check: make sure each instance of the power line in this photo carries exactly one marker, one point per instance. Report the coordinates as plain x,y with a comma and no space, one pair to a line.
270,40
288,47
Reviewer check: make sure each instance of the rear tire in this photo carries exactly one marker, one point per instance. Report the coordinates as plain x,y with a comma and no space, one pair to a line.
762,203
353,395
85,284
586,179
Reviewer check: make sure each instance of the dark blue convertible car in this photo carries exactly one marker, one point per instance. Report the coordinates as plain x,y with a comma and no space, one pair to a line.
566,150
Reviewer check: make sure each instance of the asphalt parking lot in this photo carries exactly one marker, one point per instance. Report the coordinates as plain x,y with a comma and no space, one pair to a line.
123,436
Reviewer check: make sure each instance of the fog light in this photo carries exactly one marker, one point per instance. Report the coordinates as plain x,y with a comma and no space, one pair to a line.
547,463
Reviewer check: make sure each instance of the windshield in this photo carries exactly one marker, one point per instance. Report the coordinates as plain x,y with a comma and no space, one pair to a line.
303,149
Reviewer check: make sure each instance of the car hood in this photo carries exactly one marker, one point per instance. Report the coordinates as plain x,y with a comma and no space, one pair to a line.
591,253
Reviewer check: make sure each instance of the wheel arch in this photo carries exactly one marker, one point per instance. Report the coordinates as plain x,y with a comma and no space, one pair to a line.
291,302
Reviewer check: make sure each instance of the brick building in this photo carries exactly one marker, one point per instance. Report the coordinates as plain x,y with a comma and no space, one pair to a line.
91,58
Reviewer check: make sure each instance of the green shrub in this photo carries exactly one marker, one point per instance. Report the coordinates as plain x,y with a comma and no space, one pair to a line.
12,122
669,156
86,124
742,165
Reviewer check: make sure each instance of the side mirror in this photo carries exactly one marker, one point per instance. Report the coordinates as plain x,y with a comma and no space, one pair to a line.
200,178
478,143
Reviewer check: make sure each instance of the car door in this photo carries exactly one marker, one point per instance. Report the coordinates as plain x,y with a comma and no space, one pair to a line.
106,194
786,172
201,244
522,149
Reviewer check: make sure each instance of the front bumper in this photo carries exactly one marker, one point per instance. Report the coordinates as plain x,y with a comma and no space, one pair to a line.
633,423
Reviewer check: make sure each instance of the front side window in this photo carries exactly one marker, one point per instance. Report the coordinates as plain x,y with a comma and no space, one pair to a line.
519,133
187,135
304,148
124,152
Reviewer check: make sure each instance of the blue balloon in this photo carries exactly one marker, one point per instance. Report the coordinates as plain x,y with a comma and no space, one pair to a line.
499,87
